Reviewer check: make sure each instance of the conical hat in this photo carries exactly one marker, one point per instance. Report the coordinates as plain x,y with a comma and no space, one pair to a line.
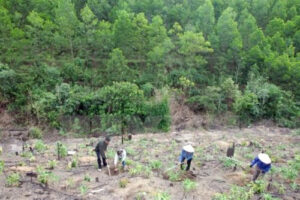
188,148
264,158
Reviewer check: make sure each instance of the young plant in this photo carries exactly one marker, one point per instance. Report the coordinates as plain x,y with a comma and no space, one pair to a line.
258,187
229,162
155,164
87,178
189,185
52,164
162,196
13,179
174,176
35,132
43,176
1,166
83,189
61,150
123,182
40,146
137,170
130,151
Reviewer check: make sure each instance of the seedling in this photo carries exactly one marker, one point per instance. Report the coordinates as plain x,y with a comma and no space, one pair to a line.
13,179
155,164
83,189
61,150
52,164
40,146
1,166
123,182
189,185
43,176
162,196
87,178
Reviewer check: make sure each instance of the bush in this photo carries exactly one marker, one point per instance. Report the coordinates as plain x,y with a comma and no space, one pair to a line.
35,132
13,179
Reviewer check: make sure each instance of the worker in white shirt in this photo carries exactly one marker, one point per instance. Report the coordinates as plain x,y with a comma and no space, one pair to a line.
120,156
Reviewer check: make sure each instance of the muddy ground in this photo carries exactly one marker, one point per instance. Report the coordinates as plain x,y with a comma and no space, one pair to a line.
141,182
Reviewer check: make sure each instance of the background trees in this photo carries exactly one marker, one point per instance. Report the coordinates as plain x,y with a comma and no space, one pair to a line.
92,44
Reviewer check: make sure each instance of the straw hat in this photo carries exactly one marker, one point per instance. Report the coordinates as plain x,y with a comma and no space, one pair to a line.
264,158
188,148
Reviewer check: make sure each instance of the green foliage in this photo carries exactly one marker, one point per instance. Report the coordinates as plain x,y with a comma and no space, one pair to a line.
83,189
174,175
52,164
189,185
70,58
35,132
87,178
1,166
236,192
61,150
155,164
259,187
13,179
43,176
123,182
40,146
230,162
162,196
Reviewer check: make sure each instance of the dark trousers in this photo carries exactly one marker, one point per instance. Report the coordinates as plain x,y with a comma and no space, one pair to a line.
99,157
188,164
257,173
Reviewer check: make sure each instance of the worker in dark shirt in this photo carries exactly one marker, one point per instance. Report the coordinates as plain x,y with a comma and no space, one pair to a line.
100,151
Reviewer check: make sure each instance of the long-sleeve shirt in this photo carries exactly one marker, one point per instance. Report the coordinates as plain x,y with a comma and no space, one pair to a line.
101,148
262,166
120,157
185,155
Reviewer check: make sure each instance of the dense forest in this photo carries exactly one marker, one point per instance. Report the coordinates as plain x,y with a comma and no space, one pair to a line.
121,60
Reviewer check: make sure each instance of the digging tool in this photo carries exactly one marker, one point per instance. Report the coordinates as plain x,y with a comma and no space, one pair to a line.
108,170
173,167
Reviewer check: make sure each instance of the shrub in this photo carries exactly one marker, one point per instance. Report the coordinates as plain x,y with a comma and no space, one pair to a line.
40,146
13,179
189,185
258,187
35,132
229,162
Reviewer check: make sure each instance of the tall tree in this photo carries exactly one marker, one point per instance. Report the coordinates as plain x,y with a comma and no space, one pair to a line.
205,18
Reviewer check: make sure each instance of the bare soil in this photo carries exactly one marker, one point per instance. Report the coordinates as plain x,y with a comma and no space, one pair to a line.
207,169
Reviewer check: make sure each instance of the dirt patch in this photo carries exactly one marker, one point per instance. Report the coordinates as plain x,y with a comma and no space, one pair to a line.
87,159
238,178
22,169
